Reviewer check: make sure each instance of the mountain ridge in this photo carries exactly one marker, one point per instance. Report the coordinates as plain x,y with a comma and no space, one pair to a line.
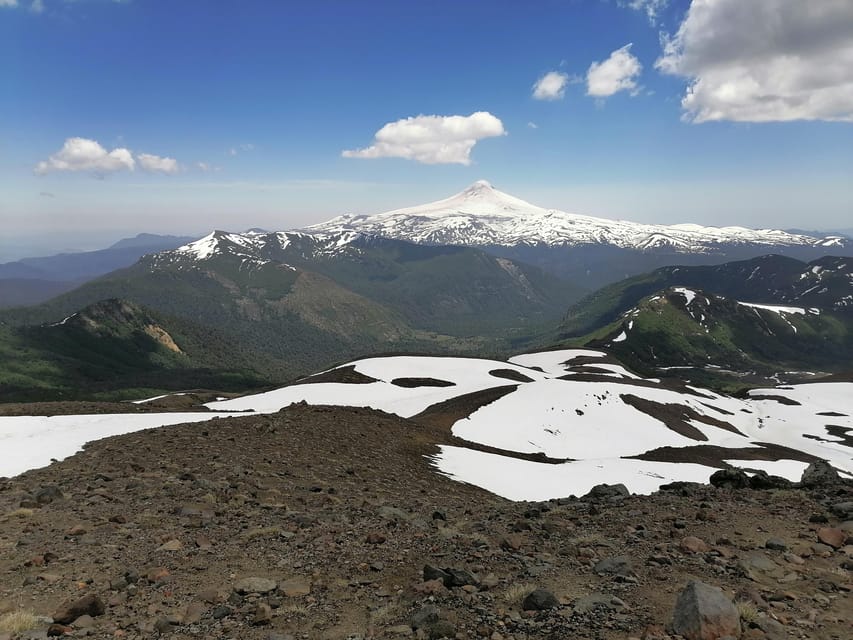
481,215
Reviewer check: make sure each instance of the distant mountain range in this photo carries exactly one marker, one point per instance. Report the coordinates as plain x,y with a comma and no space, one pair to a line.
115,347
290,303
768,319
33,280
591,251
442,278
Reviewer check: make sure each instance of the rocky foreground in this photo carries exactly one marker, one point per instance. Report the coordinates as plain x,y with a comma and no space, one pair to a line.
330,523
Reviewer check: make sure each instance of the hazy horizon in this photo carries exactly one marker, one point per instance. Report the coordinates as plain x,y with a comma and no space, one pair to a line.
282,115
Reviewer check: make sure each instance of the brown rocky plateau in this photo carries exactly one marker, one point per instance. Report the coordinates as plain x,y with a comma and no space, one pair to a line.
330,523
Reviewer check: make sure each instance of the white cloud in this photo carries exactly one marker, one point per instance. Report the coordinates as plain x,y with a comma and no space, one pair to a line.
618,73
532,125
157,164
8,3
764,60
203,166
432,139
551,86
80,154
37,6
651,8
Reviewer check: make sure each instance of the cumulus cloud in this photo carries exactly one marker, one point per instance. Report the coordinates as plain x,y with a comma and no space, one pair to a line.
618,73
157,164
432,139
80,154
651,8
551,86
764,60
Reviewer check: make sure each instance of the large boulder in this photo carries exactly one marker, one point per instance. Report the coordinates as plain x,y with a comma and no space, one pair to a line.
729,479
602,492
703,612
818,474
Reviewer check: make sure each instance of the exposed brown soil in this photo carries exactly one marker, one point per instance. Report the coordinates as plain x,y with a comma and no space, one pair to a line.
346,375
414,383
510,374
341,508
715,456
675,416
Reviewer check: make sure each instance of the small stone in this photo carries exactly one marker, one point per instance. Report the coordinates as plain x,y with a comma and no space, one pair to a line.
832,536
56,630
692,544
255,585
87,605
424,616
84,622
442,629
171,545
375,538
222,612
776,544
540,600
618,566
157,574
263,614
193,613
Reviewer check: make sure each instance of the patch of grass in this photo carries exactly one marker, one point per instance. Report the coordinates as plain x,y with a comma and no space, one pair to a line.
517,592
747,610
386,614
294,609
18,621
21,513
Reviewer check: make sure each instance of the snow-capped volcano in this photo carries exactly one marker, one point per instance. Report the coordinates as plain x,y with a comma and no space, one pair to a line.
484,216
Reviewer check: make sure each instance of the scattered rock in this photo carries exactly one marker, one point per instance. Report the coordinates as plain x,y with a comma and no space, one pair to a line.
263,614
729,479
540,600
255,585
87,605
601,492
617,566
776,544
819,473
692,544
703,612
831,536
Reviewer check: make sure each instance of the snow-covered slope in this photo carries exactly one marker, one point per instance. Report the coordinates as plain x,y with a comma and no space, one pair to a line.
538,426
484,216
595,421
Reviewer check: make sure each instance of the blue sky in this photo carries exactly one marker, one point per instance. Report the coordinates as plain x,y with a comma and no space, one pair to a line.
237,114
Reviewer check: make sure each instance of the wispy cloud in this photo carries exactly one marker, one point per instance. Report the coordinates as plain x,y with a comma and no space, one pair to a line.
652,8
158,164
618,72
551,86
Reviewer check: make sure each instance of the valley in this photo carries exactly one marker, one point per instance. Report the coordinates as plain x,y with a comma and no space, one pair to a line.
432,423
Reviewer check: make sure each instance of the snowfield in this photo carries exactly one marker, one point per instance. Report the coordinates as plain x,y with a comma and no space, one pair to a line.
482,215
589,419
